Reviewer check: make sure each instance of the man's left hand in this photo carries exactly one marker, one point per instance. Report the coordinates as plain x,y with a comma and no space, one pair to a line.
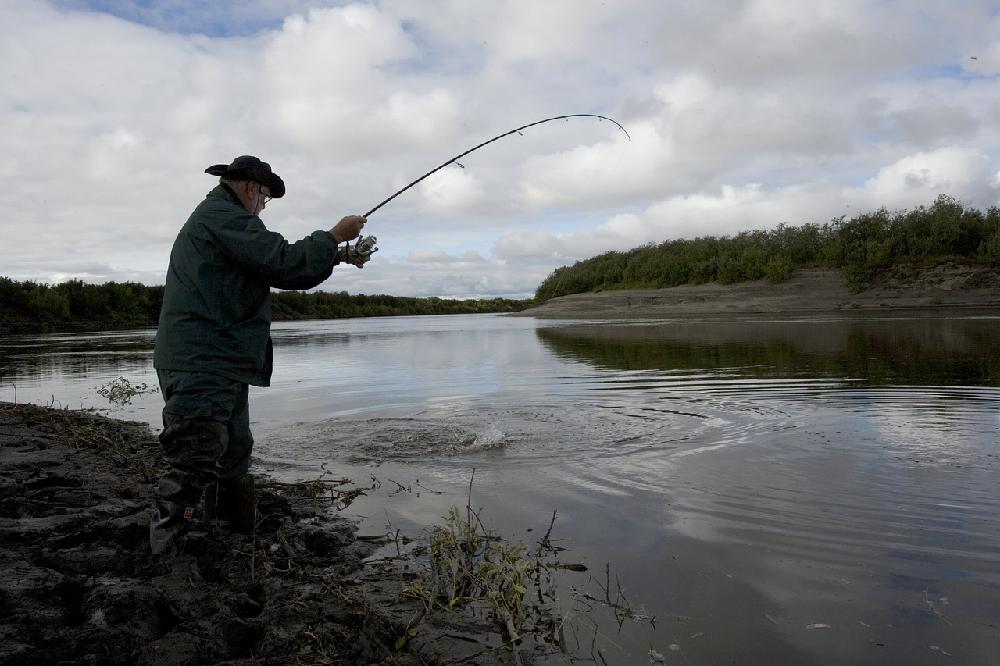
359,253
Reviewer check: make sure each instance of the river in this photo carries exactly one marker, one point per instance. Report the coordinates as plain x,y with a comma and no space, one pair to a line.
808,491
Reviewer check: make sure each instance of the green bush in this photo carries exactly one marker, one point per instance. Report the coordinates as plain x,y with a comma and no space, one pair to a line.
990,251
859,247
778,269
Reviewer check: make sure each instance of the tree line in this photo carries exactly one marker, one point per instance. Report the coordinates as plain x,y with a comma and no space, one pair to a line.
77,305
860,247
292,305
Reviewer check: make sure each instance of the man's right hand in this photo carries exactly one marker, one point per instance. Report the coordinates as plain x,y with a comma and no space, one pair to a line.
348,228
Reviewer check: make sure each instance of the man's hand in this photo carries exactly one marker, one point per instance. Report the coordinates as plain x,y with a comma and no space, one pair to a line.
346,255
348,228
358,260
359,253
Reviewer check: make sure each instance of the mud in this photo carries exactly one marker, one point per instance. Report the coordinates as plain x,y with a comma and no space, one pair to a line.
79,584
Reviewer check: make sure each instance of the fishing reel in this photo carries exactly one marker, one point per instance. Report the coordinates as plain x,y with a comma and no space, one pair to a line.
359,253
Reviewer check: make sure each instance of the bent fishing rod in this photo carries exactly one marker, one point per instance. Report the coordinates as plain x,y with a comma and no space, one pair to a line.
516,130
365,246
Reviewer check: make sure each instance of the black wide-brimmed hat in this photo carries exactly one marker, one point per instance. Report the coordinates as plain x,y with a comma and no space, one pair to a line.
248,167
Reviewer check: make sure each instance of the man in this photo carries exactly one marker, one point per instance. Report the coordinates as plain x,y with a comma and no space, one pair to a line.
214,339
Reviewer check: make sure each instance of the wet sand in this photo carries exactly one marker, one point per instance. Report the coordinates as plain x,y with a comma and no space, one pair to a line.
80,585
955,287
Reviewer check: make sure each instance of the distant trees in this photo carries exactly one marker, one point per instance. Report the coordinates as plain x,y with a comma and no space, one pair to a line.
292,305
113,304
27,305
860,247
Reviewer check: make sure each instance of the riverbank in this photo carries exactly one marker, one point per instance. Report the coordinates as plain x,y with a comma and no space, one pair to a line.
903,288
81,586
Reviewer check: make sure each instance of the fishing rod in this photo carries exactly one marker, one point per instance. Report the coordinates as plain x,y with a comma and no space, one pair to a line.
497,138
365,246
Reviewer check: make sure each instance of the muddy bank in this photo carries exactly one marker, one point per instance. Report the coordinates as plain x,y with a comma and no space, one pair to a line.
948,287
80,585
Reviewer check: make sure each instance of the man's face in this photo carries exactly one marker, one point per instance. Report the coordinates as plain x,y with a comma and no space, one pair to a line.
259,196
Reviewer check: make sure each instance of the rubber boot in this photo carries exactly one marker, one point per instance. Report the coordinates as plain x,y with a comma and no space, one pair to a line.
212,502
192,448
242,502
173,513
233,501
170,523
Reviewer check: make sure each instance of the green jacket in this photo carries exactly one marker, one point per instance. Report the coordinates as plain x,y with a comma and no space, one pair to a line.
216,314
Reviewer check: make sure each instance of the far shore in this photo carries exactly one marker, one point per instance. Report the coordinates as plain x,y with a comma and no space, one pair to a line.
902,290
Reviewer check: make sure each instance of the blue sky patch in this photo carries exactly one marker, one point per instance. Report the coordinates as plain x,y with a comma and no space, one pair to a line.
213,19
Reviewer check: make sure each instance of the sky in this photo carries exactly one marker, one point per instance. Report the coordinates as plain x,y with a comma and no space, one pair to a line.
743,114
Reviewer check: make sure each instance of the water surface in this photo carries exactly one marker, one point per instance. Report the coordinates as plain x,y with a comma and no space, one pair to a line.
807,491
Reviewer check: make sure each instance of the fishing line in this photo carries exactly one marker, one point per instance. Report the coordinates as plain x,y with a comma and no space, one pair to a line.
497,138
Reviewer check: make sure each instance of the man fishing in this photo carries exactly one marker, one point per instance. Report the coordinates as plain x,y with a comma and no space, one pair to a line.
213,340
214,333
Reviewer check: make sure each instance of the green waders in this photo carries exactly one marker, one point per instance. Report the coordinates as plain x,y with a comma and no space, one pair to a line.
207,443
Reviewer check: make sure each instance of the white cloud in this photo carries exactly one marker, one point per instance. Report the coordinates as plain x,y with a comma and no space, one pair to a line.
442,257
598,173
451,190
964,173
450,279
982,55
530,243
530,31
752,41
742,113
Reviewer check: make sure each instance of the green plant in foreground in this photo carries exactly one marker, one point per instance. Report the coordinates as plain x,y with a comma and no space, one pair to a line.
470,565
120,391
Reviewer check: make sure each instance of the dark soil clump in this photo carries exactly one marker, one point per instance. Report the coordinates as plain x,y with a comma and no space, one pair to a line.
79,584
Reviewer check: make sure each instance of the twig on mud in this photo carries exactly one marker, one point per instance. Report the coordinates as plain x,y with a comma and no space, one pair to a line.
620,605
313,489
515,638
400,488
468,502
545,542
430,490
937,613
